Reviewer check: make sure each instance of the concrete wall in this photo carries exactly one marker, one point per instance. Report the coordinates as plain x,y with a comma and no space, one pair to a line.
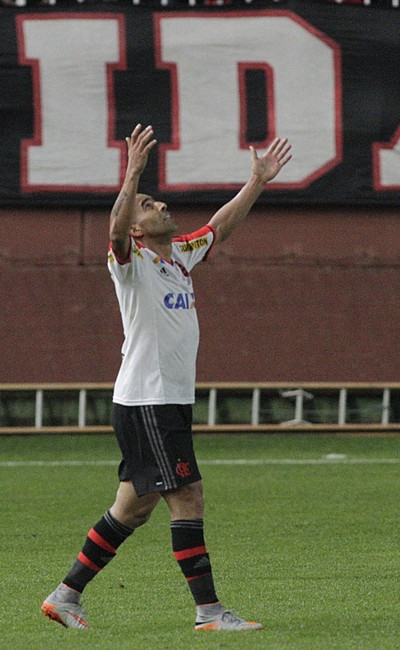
295,295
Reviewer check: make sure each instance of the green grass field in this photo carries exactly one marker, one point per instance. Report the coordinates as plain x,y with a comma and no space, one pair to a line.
303,533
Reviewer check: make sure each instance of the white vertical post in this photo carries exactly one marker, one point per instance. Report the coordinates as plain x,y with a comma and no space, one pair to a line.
255,407
82,408
385,406
298,411
299,394
342,406
39,409
212,407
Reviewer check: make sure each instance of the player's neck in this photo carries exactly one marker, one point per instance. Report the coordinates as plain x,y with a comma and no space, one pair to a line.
160,246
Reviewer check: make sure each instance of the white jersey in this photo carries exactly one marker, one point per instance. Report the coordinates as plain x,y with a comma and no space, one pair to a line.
161,332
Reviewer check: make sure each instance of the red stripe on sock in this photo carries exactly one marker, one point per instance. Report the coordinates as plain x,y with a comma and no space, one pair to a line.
100,541
85,560
189,552
196,577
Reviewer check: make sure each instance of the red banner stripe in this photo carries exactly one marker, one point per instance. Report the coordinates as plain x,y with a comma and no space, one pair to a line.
100,541
189,552
85,560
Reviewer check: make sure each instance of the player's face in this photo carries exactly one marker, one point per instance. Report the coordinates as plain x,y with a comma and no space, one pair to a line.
153,217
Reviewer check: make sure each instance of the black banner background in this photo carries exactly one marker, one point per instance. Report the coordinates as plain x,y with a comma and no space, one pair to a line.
369,40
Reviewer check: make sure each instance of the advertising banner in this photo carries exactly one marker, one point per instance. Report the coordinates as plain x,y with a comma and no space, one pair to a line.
74,82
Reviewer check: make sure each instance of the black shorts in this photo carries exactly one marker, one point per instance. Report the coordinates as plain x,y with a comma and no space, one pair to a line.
156,445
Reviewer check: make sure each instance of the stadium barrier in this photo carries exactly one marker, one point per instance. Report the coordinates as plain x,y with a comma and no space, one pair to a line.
245,407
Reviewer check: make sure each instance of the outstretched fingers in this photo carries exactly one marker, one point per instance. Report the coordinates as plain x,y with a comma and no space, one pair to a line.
142,138
280,149
139,144
136,131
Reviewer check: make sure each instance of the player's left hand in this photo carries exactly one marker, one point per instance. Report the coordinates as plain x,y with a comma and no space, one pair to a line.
269,164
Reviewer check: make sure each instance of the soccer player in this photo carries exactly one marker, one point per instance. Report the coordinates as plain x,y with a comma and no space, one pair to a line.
155,386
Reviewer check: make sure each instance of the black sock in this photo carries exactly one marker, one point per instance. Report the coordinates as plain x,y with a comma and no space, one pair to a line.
191,554
99,549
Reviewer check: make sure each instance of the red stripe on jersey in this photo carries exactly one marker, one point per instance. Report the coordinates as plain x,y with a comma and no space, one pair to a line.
189,552
85,560
100,541
201,232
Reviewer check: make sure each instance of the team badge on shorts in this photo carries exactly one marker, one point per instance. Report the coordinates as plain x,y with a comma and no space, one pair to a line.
182,469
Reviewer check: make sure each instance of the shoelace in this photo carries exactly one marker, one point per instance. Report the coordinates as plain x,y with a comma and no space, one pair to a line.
230,616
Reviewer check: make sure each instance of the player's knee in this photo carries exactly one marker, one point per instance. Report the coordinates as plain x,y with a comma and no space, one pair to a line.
133,517
193,493
131,510
140,518
186,502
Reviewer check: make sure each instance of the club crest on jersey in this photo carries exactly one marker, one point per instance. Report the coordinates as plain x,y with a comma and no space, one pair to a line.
179,301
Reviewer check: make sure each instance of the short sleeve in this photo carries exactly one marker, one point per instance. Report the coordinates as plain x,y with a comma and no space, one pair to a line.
122,270
194,247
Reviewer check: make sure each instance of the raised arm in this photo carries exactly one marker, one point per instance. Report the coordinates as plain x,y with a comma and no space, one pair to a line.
263,170
139,144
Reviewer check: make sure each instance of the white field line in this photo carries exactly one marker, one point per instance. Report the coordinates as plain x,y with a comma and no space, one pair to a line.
338,460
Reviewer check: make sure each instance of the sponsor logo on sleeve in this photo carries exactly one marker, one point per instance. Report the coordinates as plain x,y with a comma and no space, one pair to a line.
189,246
136,251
